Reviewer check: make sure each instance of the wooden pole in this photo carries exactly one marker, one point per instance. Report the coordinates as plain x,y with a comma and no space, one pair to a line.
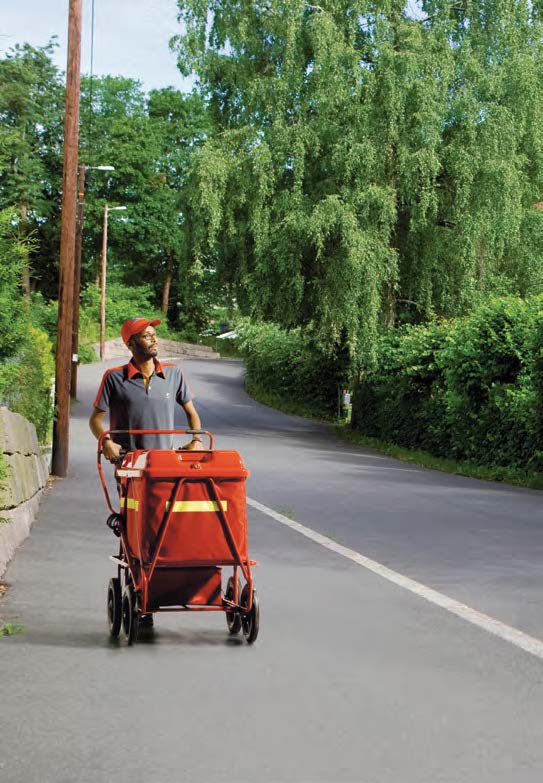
77,280
103,288
61,429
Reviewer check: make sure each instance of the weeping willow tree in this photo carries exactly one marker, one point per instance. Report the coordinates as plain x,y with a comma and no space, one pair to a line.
373,161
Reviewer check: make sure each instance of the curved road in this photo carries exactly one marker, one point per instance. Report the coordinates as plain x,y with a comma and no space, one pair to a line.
353,678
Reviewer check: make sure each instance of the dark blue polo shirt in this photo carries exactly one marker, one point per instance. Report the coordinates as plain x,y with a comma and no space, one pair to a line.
131,406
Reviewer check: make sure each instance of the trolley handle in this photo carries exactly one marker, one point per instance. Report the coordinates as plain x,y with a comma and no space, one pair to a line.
140,432
155,432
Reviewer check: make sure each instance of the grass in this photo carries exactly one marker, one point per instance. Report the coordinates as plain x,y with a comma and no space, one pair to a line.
226,348
515,476
522,478
287,406
10,629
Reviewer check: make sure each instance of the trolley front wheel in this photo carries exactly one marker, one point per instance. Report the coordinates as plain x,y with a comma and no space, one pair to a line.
130,615
114,607
233,620
250,621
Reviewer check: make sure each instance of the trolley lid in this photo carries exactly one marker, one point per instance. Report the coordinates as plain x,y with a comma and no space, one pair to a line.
158,464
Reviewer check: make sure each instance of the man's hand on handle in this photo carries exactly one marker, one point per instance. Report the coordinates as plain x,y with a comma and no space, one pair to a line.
194,445
111,450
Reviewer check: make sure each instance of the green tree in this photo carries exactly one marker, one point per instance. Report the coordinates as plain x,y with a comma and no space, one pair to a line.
31,106
373,163
149,140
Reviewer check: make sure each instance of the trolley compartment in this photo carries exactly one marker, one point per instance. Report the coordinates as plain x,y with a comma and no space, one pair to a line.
185,587
206,489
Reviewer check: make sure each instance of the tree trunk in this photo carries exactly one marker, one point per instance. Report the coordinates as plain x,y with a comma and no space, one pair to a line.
167,286
25,272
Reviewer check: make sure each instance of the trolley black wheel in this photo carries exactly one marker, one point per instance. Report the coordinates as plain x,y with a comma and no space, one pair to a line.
233,619
130,614
250,622
114,607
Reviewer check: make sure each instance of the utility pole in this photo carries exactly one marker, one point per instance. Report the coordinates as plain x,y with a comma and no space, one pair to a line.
77,279
61,430
77,269
103,288
107,210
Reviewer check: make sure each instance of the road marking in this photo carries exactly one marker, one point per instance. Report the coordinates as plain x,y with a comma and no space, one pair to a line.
512,635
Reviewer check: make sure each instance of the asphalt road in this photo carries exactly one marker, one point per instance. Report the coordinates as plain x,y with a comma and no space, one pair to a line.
352,678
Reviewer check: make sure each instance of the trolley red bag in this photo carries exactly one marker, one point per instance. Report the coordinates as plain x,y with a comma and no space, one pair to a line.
182,518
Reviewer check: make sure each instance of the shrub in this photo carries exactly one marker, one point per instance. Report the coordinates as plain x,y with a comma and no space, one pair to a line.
13,256
468,388
26,380
285,364
402,399
122,302
26,359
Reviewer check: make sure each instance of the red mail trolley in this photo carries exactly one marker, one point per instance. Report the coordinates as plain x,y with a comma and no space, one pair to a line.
182,519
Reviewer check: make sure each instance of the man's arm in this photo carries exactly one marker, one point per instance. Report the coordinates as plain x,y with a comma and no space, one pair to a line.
111,450
194,424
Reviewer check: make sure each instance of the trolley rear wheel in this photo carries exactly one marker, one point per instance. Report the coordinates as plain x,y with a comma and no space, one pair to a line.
250,621
130,615
233,619
114,607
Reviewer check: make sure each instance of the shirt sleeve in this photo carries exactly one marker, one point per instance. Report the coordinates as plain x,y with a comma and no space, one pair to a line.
183,393
103,398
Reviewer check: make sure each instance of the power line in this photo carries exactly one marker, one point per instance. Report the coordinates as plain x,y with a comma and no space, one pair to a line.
90,82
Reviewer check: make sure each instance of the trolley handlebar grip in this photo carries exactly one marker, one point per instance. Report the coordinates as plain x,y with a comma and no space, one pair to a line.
139,432
155,432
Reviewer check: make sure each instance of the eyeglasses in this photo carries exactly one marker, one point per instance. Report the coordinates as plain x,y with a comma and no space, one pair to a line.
148,337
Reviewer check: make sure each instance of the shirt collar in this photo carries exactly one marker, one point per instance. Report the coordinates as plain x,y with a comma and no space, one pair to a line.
133,370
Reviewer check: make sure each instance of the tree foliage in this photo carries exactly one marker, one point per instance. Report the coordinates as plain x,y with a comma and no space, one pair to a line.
469,388
374,164
149,138
26,360
31,104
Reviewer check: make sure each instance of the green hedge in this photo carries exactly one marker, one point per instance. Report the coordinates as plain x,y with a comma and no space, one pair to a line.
471,389
282,364
26,350
26,380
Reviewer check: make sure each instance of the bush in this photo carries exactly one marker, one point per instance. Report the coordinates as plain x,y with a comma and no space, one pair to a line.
43,314
13,256
402,399
26,358
471,388
122,302
284,364
26,381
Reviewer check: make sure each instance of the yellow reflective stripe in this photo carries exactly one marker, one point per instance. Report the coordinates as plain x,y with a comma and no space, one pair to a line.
180,505
132,505
196,505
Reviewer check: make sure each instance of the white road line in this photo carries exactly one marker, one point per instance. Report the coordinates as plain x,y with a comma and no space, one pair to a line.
527,643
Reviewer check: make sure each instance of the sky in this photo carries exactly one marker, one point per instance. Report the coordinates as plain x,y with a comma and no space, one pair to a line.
130,36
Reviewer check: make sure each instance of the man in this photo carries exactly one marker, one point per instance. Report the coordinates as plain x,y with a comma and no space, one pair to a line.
141,395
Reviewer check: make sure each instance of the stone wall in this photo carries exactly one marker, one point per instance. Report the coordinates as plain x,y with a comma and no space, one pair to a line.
27,474
117,349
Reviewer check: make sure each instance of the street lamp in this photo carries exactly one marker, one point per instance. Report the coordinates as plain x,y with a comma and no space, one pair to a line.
77,270
107,209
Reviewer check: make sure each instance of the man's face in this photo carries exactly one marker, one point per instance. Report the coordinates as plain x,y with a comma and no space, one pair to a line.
144,344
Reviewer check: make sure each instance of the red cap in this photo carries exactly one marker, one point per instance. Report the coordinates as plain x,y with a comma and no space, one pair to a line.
134,326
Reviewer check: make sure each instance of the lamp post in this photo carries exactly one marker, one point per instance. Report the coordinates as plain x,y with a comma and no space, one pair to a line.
77,270
107,209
